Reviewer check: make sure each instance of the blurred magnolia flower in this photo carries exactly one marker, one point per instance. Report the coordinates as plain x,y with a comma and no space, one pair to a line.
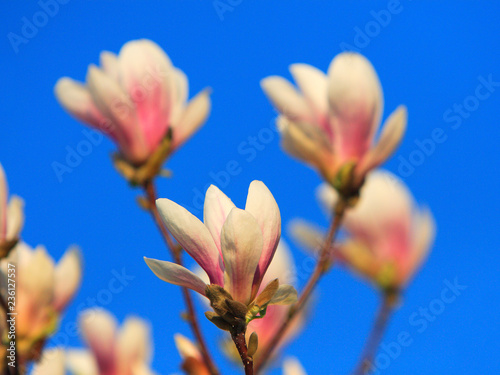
389,235
43,290
112,351
283,268
233,246
292,366
137,98
52,362
193,363
11,217
332,121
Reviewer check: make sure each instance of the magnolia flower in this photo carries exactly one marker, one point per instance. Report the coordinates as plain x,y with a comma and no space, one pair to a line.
233,246
136,98
52,362
193,363
11,216
332,121
292,366
112,352
389,235
43,290
283,268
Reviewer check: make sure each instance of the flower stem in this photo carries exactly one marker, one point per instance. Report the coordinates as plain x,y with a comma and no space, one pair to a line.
322,266
379,326
175,250
238,336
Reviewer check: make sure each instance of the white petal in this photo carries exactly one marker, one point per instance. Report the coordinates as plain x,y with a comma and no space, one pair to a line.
217,207
192,118
98,328
241,248
286,99
327,197
193,236
81,362
424,232
175,274
186,347
182,93
68,275
51,363
282,267
390,138
263,207
15,217
75,98
109,63
292,366
314,84
134,344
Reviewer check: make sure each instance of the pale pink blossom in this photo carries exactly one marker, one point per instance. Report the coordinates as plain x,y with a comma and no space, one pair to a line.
112,351
233,246
389,236
331,120
43,290
283,268
292,366
193,363
136,97
52,362
11,213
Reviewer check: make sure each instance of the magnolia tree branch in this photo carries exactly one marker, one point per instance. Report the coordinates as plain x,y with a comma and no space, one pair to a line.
321,267
238,336
175,250
379,327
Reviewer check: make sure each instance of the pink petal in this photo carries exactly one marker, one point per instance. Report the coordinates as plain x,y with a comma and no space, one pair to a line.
98,328
148,79
76,99
286,99
217,207
119,109
192,118
68,275
241,248
355,98
392,134
175,274
314,84
193,236
133,344
263,207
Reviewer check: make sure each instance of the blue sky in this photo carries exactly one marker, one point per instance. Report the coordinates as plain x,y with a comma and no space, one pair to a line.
430,56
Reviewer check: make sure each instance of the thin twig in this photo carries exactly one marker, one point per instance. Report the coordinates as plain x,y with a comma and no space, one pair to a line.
238,336
321,268
150,190
379,326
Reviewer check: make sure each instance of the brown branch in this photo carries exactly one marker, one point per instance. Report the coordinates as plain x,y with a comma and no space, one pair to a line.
321,267
175,250
379,326
238,336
